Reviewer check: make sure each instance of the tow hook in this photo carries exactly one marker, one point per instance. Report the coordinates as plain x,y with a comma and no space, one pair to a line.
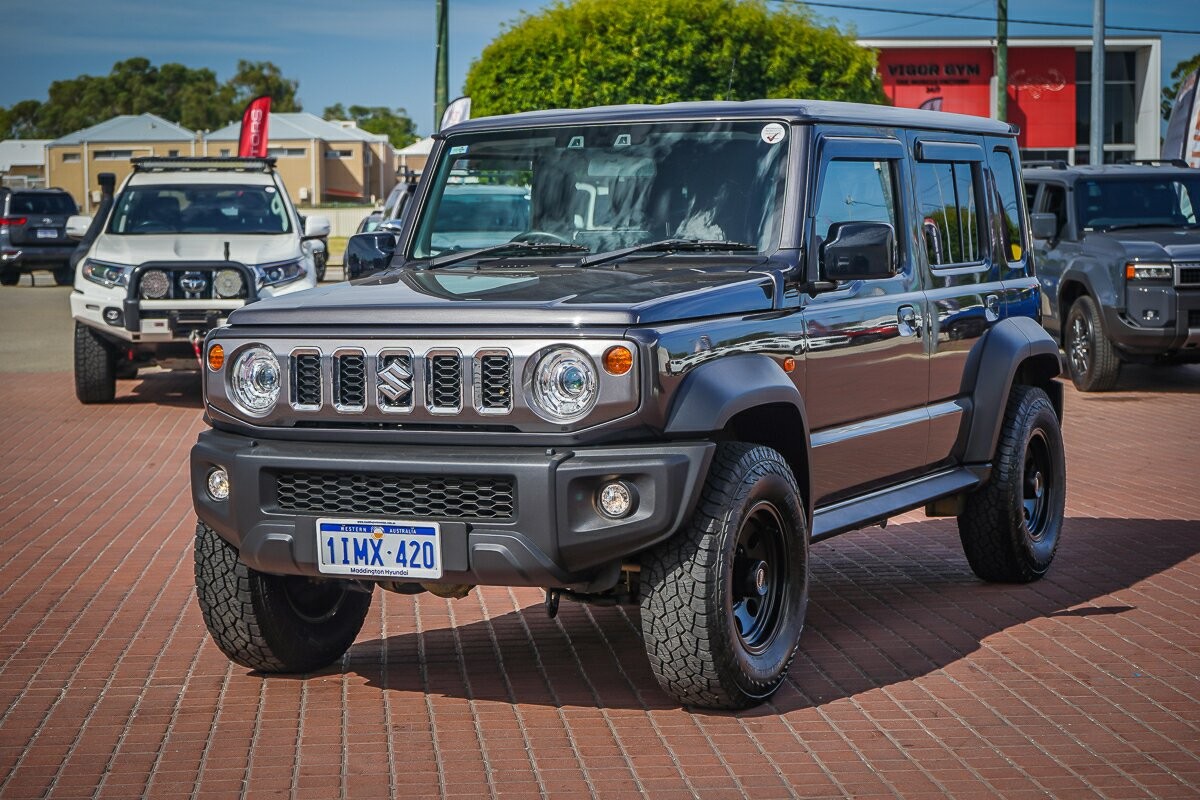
552,596
197,339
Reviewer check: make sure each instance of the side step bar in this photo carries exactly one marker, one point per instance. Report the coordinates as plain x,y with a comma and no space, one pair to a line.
878,506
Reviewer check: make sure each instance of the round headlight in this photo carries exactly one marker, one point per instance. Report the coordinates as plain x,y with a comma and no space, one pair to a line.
255,380
228,283
564,384
155,284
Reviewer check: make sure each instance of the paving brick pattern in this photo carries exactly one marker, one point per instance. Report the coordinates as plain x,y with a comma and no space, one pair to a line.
914,678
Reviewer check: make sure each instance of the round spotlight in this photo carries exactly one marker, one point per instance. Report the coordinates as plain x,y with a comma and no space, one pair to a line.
218,484
228,283
155,284
616,499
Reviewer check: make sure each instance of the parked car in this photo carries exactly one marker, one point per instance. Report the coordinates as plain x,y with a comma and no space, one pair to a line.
1118,250
612,390
393,208
33,233
186,241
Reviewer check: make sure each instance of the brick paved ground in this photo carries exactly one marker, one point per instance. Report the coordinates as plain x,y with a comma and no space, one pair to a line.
914,678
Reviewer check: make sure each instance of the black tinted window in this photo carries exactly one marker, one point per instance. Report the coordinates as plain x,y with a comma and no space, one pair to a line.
39,203
1138,202
1005,173
946,201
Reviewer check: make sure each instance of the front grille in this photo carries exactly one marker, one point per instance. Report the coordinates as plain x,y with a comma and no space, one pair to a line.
495,382
398,496
306,369
445,382
1194,318
350,381
1189,274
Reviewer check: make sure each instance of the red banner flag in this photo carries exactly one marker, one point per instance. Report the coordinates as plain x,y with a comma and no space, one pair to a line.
253,140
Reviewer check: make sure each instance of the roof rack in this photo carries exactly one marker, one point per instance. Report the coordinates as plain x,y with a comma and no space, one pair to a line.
1157,162
1056,163
202,164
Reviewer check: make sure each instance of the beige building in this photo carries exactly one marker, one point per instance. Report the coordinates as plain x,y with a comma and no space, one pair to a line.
74,161
23,163
320,161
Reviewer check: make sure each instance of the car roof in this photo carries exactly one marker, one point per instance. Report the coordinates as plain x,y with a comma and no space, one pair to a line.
1068,173
799,111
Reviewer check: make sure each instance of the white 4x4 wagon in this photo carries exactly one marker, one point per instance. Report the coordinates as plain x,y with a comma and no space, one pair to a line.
184,242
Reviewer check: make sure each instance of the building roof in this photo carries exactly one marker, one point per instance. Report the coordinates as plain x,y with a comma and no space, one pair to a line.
129,128
295,125
421,147
22,153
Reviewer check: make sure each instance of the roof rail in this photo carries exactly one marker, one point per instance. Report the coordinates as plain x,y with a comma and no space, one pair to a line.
202,164
1055,163
1157,162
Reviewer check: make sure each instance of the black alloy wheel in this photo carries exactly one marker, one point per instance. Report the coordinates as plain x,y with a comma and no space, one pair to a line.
1091,359
759,586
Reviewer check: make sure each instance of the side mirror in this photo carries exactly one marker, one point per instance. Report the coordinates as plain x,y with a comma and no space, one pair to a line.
367,253
858,251
316,227
77,226
1044,226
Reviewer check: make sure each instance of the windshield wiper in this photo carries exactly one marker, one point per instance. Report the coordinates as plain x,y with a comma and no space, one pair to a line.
668,246
1123,226
495,249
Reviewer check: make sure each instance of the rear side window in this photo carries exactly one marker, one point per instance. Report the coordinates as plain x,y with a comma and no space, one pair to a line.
948,204
1054,201
48,203
1012,242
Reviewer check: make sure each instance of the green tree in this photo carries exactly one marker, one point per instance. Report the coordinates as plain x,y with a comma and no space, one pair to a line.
394,122
254,78
596,52
1182,70
20,121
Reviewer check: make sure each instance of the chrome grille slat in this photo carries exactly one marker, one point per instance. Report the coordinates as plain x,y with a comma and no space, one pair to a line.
350,381
306,380
444,384
493,385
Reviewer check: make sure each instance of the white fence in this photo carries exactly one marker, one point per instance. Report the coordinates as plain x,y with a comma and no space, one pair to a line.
342,221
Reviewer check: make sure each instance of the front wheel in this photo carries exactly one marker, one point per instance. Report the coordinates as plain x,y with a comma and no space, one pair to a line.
724,599
64,276
1091,358
9,276
273,623
95,366
1010,527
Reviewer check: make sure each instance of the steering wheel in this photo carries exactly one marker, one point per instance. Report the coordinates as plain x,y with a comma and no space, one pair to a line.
540,237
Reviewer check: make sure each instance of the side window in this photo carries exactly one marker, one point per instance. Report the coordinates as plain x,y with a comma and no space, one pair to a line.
856,191
1054,201
1012,242
1030,194
948,205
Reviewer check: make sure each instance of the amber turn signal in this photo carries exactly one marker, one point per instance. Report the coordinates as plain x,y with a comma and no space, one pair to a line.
789,364
216,357
618,360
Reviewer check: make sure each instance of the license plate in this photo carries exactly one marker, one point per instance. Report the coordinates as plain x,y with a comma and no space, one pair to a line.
374,548
47,233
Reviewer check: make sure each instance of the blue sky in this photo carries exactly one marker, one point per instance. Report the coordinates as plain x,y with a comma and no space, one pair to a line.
381,52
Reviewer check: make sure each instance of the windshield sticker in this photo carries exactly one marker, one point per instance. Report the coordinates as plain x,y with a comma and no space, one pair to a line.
622,140
772,133
269,189
458,150
576,143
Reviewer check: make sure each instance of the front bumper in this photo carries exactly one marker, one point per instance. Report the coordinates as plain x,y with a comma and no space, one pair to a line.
1178,333
554,537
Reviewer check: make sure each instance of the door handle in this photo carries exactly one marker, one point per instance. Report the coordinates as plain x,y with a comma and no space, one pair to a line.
910,321
992,305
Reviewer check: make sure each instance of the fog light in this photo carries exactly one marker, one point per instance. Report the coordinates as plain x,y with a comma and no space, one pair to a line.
616,499
1150,315
114,316
218,484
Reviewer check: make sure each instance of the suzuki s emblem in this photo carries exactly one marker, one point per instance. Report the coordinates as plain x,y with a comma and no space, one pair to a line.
395,381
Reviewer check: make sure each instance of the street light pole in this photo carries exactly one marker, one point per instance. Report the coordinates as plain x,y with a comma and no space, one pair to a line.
1002,60
1096,141
441,85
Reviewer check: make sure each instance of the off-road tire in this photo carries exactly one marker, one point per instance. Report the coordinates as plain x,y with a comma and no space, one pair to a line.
1098,366
1003,541
688,598
10,276
63,276
95,366
255,619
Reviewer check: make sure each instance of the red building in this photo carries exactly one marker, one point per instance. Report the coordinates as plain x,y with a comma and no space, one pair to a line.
1049,89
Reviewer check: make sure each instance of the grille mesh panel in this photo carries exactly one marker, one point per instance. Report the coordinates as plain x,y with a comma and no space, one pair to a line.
1194,318
352,380
495,381
393,495
445,387
307,368
1189,275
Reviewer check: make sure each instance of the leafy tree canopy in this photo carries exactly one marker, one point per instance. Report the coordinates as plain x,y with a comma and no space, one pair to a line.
595,52
1181,71
394,122
191,97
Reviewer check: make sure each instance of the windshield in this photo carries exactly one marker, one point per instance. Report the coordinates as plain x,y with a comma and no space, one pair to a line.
606,187
200,208
47,203
1138,202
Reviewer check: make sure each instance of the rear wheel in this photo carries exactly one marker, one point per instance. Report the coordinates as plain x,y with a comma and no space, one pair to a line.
273,623
1010,527
95,366
723,600
1091,358
9,276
